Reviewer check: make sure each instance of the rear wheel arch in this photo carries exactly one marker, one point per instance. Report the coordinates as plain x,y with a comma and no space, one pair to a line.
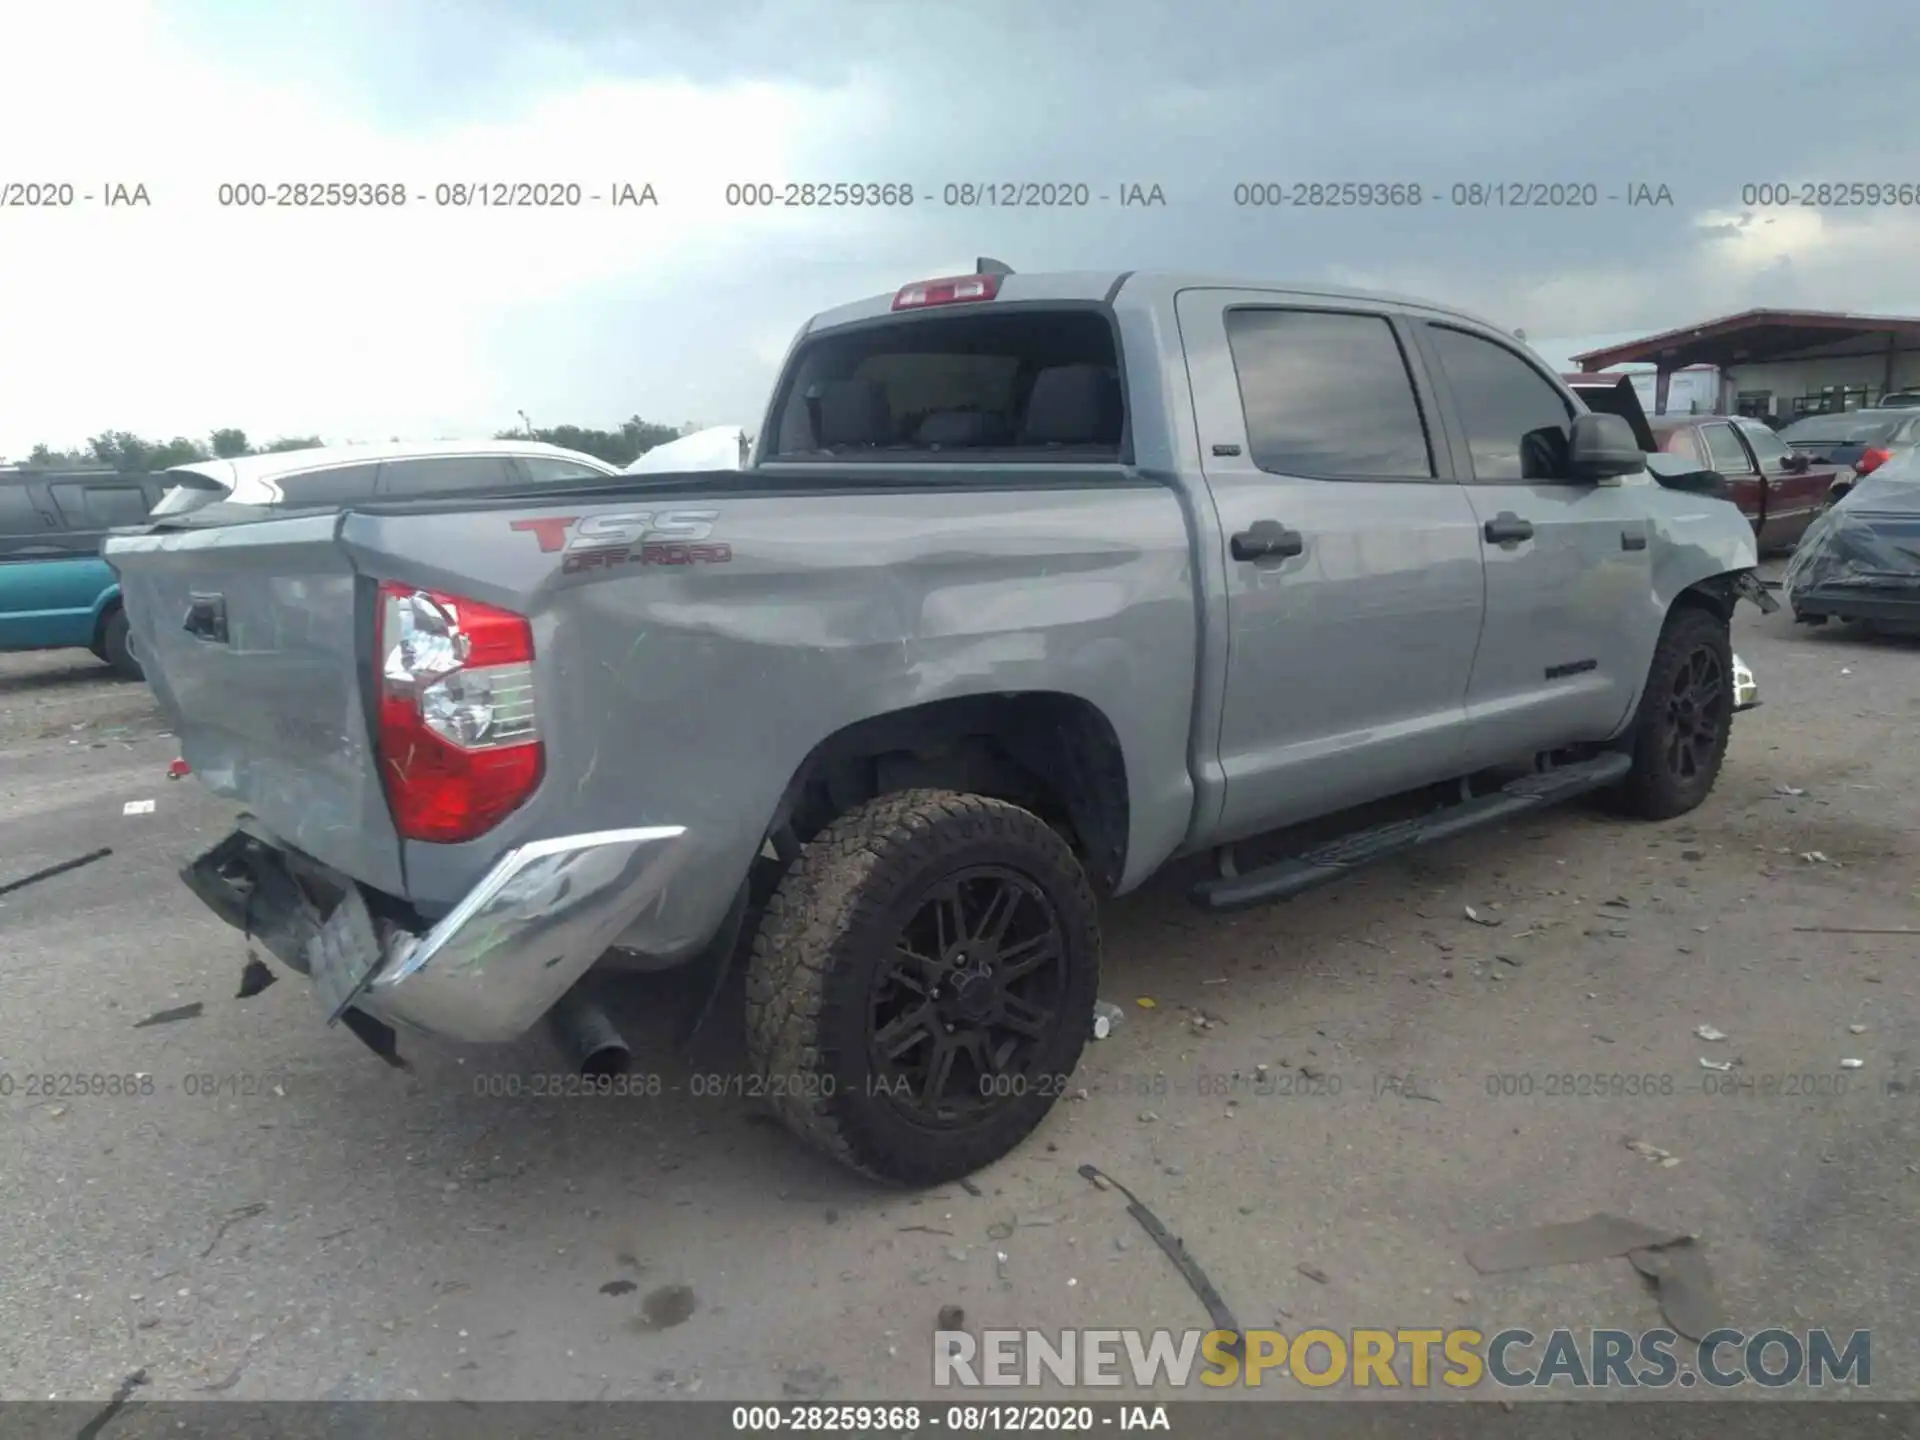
113,641
1055,754
109,606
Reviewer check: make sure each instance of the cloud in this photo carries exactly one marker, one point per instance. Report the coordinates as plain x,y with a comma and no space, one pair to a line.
190,313
447,320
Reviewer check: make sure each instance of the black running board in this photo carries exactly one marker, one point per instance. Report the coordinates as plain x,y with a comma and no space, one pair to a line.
1324,863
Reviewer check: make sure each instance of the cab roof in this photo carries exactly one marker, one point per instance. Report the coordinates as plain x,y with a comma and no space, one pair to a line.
1129,288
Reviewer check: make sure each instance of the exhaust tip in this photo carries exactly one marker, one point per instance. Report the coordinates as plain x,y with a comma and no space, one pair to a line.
608,1060
589,1039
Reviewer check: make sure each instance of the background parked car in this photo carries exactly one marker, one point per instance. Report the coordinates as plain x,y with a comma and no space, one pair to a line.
719,447
1861,563
1856,442
1899,400
1778,489
345,474
55,590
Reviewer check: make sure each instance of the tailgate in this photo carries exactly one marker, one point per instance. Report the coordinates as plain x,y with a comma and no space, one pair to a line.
250,636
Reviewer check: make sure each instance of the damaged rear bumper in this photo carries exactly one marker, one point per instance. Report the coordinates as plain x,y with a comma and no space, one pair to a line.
485,972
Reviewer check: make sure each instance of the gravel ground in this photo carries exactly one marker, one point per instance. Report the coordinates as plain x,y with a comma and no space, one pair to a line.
282,1217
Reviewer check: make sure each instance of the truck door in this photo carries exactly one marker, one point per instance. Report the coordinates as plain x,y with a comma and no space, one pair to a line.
1354,588
1569,572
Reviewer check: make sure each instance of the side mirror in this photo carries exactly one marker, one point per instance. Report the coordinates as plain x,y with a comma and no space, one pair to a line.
1602,447
1795,462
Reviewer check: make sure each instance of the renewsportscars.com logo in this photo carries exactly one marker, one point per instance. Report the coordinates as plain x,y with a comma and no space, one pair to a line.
1458,1359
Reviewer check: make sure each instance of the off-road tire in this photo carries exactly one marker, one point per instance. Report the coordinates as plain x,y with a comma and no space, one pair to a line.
837,913
1657,789
116,646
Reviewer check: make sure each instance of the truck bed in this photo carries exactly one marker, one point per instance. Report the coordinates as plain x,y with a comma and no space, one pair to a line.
682,675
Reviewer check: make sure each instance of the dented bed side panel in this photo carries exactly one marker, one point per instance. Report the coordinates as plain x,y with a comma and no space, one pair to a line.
683,679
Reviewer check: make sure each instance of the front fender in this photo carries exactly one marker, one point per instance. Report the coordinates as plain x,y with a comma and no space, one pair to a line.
1703,552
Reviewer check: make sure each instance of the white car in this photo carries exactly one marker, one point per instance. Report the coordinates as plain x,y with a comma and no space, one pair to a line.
344,474
722,447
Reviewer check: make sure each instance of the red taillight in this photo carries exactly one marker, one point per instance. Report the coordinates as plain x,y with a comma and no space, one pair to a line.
1871,461
954,290
459,739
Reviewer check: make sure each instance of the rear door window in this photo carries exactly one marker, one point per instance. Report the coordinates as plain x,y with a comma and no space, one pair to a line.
100,507
555,470
1767,447
19,516
1327,396
1725,453
445,475
1022,384
342,485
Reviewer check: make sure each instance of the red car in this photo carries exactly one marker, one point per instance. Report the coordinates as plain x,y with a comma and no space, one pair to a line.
1779,491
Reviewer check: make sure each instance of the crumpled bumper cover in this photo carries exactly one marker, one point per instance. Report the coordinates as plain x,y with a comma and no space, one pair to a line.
485,972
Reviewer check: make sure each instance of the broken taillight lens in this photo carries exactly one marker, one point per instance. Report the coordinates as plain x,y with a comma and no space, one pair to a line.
459,739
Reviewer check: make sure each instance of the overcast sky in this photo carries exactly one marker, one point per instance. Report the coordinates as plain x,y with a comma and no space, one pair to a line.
428,321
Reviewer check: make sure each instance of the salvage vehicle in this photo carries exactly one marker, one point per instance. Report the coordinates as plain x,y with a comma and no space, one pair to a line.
1033,584
1855,442
56,593
1861,563
1779,490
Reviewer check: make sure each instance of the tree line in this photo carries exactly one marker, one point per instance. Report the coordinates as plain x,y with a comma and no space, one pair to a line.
129,453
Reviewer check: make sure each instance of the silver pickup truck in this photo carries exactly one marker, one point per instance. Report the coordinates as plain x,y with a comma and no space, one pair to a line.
1032,584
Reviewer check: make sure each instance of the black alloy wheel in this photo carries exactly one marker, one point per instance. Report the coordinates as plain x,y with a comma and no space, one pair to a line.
1680,731
922,983
1699,705
970,995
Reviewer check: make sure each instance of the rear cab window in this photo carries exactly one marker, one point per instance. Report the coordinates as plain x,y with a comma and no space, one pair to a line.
1026,384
